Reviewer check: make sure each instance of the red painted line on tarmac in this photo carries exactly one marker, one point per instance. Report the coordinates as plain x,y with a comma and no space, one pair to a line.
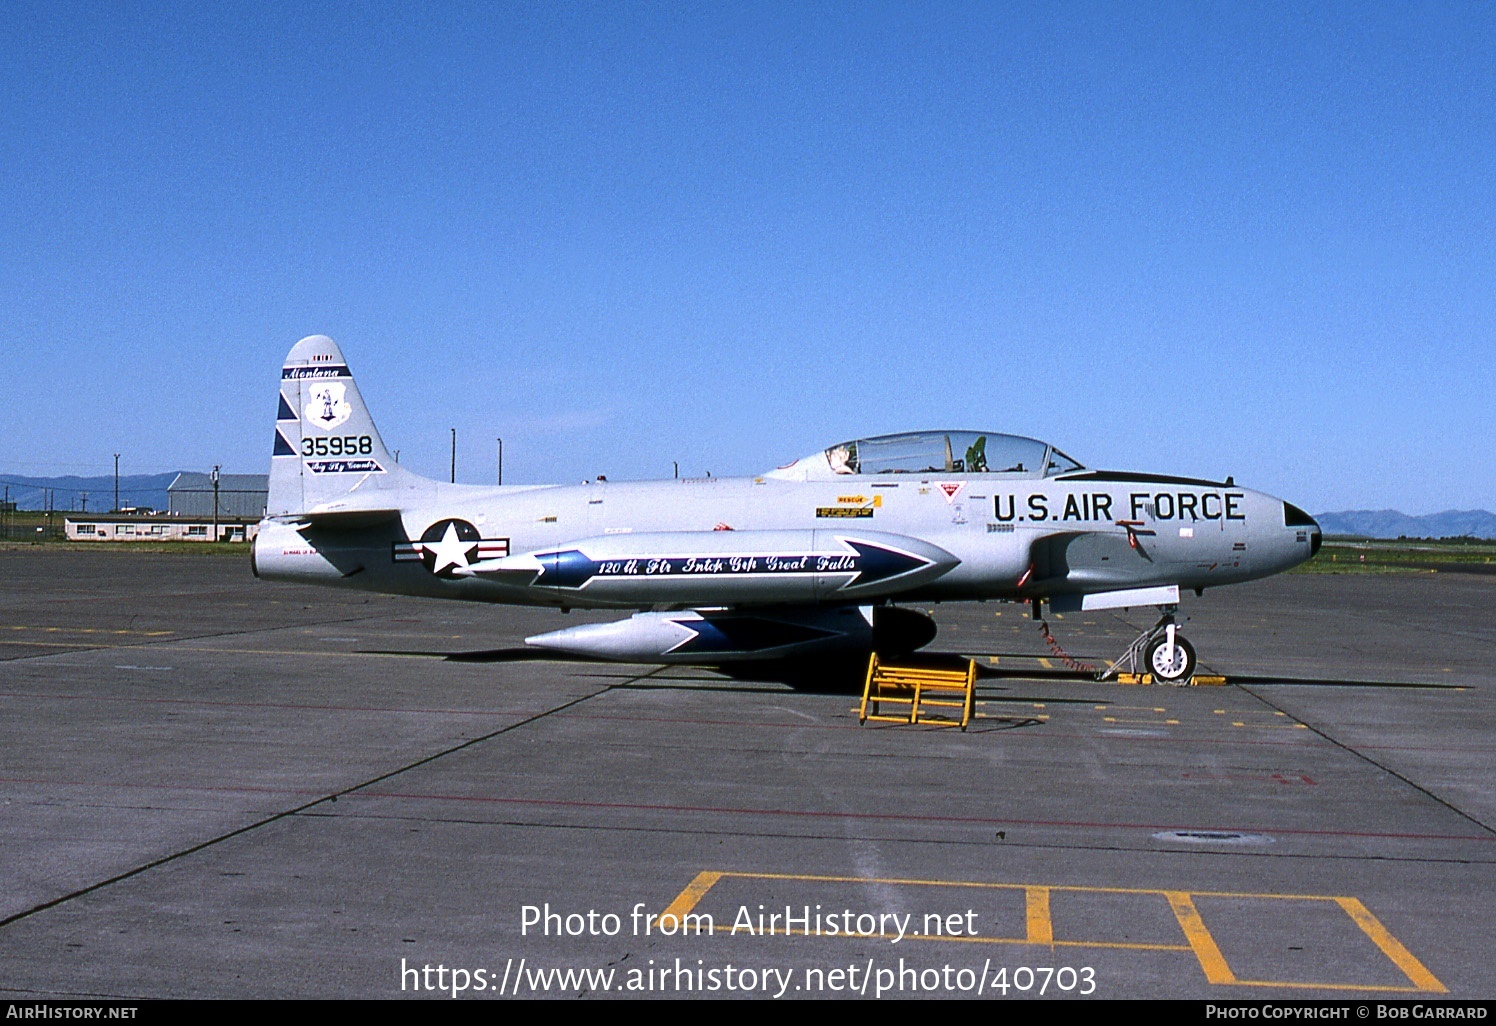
1411,748
739,723
905,817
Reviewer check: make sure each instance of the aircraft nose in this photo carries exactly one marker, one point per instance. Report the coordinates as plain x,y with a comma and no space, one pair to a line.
1300,521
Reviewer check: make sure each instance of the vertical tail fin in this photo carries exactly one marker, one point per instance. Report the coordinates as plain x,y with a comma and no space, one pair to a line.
326,444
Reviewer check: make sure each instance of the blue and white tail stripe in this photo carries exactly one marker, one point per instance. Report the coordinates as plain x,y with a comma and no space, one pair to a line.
326,444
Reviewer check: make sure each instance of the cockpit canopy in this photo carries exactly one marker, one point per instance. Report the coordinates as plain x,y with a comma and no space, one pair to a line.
935,452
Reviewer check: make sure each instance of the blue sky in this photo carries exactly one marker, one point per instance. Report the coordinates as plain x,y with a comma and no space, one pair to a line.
1194,238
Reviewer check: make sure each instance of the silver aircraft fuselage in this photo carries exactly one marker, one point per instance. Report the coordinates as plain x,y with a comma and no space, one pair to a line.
809,558
1069,535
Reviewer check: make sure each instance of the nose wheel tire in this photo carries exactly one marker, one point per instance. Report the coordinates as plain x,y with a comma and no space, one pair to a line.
1180,667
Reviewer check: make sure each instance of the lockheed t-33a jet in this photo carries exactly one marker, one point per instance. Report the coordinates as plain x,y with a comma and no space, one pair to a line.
819,559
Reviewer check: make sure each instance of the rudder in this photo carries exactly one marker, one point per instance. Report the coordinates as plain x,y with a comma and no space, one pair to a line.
326,444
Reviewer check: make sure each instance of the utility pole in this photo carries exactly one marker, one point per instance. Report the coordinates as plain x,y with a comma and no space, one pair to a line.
454,455
215,502
116,484
85,502
501,461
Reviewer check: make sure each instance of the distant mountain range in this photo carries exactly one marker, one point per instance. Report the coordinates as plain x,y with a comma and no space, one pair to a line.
70,492
1389,523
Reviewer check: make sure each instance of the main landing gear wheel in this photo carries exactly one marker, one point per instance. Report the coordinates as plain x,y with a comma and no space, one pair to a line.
1172,663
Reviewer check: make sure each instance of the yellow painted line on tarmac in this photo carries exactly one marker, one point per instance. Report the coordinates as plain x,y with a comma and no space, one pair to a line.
990,886
1039,929
1207,952
1036,914
1046,663
1040,926
723,928
63,644
311,652
1295,985
1391,947
1116,945
686,900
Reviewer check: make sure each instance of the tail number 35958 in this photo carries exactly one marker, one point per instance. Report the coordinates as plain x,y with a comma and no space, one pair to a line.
338,445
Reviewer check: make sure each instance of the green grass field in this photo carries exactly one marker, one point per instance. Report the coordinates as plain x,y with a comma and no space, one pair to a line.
32,529
1405,555
240,549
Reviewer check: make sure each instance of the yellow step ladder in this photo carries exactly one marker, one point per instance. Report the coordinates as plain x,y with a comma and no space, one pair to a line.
921,688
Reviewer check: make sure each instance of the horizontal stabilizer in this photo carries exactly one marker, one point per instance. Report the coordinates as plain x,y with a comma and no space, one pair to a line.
345,520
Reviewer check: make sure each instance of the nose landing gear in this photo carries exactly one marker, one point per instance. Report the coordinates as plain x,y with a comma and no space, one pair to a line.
1161,650
1170,657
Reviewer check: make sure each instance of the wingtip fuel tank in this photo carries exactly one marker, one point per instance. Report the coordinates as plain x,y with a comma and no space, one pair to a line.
723,636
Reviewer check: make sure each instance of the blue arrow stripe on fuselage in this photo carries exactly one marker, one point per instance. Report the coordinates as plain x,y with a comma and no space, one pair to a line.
867,564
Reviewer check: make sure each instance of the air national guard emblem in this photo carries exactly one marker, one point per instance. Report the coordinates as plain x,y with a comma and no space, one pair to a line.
326,407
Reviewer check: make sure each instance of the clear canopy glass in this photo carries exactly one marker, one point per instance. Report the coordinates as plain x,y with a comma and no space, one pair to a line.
1059,463
949,452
